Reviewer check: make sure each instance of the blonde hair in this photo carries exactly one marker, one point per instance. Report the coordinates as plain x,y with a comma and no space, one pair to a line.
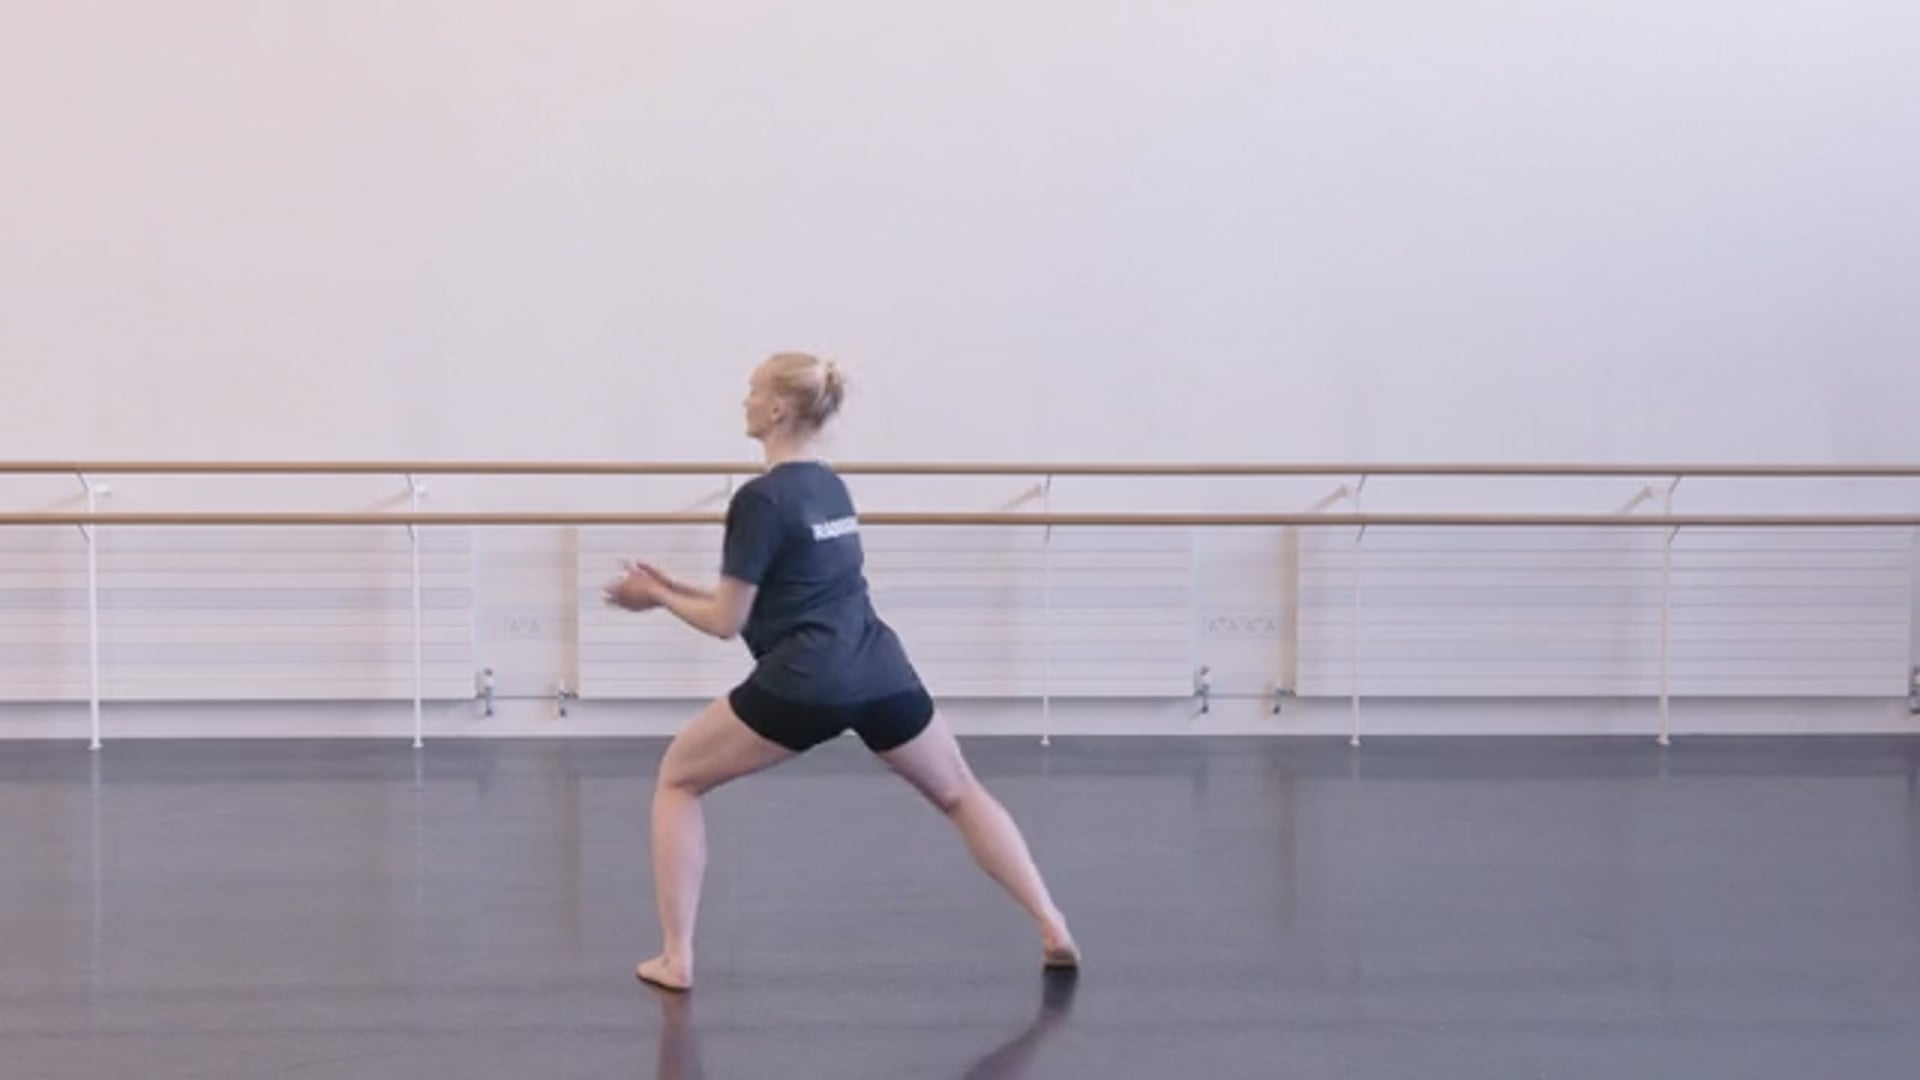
813,386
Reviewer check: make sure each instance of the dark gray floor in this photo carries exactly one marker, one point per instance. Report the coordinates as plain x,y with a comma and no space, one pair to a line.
1250,908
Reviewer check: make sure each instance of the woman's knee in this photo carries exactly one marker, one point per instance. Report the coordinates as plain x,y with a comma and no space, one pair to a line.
943,784
677,776
953,795
670,784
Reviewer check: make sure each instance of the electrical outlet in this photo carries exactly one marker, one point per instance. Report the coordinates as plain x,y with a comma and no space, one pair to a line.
1243,626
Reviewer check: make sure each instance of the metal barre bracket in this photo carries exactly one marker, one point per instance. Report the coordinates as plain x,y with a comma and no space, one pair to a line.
1280,694
486,694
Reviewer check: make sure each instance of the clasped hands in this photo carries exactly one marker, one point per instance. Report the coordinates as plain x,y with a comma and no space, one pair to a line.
642,588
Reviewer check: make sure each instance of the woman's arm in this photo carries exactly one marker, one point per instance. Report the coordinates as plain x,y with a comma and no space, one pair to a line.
672,584
720,612
755,532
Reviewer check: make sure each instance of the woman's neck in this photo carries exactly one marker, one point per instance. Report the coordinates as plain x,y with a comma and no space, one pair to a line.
783,448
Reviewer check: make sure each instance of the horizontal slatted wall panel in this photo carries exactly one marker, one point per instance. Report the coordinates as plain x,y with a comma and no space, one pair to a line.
974,608
43,634
1800,613
268,614
1524,612
971,604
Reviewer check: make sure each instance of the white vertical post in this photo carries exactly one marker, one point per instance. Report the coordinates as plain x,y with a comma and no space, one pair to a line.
1195,648
1046,616
94,491
1913,668
415,491
1358,538
1666,615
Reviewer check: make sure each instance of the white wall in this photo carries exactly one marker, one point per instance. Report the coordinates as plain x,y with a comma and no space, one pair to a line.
1236,230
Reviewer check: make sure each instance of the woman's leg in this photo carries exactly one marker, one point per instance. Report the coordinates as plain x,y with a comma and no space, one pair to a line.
933,763
715,748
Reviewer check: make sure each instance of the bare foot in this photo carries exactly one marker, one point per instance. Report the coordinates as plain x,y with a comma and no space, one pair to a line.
1057,946
665,974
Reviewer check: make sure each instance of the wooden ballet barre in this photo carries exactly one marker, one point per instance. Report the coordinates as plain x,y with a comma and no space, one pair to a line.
992,518
867,468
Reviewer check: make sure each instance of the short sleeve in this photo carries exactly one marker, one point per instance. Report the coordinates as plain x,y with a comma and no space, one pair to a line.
754,533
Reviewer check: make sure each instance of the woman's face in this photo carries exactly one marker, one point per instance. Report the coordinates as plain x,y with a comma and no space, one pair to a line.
764,408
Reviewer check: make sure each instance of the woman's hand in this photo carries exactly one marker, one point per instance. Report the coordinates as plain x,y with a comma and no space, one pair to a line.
666,583
642,589
721,612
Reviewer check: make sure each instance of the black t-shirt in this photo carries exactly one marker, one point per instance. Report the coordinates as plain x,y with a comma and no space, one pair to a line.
793,532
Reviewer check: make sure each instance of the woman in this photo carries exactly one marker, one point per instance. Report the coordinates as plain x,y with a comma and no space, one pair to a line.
792,585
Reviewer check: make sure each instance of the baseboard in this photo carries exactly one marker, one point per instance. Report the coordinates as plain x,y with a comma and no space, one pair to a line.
1306,717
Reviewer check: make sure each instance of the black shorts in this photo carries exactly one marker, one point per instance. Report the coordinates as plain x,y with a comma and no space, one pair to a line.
883,723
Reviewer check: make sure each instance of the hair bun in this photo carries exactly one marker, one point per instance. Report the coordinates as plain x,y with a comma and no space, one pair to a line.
814,386
833,390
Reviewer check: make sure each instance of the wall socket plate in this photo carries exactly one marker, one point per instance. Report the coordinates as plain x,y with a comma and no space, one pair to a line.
1253,625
